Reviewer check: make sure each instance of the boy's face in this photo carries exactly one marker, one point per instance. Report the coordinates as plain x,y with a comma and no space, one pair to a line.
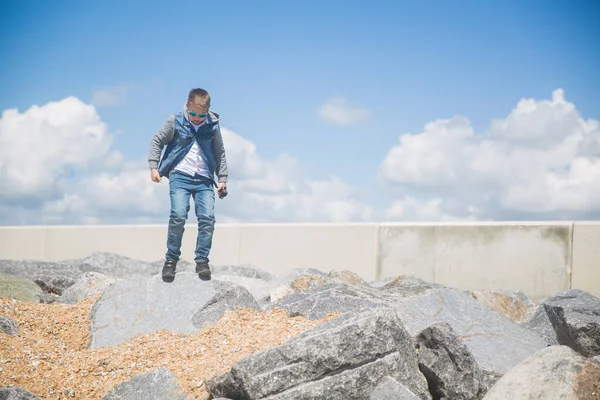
196,113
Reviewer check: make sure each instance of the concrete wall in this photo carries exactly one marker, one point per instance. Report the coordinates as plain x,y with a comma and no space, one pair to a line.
586,257
538,258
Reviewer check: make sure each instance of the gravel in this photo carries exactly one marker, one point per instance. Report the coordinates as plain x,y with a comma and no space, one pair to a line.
50,356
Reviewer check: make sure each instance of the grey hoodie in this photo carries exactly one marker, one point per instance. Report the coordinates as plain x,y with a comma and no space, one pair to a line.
165,135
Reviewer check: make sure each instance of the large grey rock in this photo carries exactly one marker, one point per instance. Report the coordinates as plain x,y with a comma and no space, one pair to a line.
116,265
497,345
343,358
297,282
390,389
257,287
257,281
52,277
55,277
408,285
159,384
511,304
282,285
381,282
15,393
450,369
555,372
8,326
20,288
87,285
575,316
404,281
136,306
318,300
316,303
245,271
227,296
540,324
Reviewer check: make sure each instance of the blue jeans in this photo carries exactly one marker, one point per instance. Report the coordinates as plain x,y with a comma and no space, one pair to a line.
181,187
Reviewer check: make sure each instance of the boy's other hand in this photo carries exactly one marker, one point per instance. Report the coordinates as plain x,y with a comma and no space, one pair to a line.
154,175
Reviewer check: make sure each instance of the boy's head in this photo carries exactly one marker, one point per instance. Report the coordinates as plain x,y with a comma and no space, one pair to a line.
197,105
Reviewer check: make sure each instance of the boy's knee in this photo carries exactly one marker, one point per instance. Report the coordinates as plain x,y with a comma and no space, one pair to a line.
178,217
206,220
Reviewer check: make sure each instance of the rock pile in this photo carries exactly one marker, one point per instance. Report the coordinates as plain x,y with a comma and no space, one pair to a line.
398,339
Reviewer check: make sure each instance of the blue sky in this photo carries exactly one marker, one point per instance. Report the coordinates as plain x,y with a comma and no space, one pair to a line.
270,66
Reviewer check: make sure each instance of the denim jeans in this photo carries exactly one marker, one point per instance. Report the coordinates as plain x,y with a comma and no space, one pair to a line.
181,187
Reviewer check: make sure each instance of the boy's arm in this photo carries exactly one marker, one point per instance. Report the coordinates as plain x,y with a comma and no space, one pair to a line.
159,141
221,160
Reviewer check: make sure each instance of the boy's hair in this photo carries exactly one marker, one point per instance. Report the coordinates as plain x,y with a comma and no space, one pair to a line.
200,97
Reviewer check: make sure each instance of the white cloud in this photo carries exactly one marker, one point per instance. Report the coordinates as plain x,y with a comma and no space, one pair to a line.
541,161
40,147
58,165
339,111
409,208
111,96
279,190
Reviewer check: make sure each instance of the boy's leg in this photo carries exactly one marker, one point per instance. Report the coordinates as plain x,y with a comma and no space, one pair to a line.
179,191
204,201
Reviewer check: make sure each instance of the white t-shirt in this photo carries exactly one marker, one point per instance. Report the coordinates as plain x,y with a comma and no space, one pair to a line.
193,163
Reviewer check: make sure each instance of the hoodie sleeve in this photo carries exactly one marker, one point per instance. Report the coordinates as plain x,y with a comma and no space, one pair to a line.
159,141
219,151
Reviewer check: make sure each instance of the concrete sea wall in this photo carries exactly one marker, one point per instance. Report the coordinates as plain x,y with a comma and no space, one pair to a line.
539,258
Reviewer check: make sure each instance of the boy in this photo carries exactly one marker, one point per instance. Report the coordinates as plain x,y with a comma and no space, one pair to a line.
194,154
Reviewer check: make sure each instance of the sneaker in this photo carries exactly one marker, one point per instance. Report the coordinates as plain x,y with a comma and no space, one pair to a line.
203,271
168,271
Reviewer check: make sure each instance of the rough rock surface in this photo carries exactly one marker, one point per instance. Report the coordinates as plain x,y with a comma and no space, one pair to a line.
8,326
401,336
575,316
340,359
540,324
332,297
55,277
257,281
88,284
19,288
116,266
496,343
281,286
390,389
227,296
410,284
555,372
318,300
15,393
450,369
158,384
514,305
52,277
258,288
131,307
244,270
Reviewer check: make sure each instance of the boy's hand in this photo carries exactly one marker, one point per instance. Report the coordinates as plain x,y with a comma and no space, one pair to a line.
154,175
222,190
